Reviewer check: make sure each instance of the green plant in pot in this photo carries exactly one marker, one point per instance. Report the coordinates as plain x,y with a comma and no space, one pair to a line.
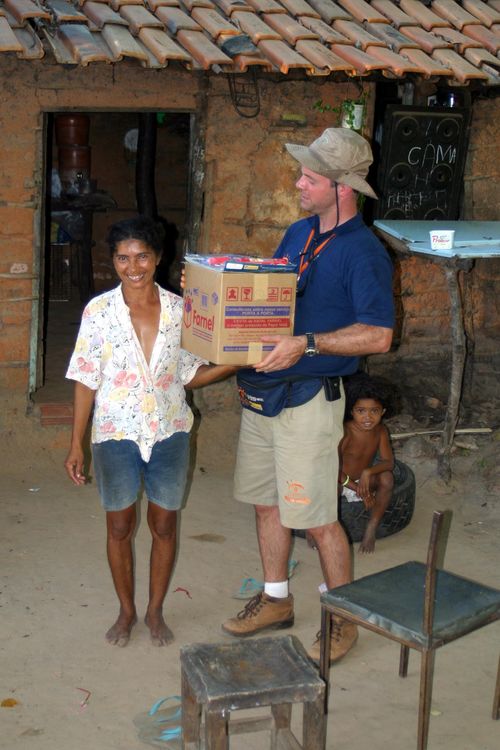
350,113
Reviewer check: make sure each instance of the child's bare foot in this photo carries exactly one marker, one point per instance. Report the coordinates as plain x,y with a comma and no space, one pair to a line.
161,635
368,542
119,633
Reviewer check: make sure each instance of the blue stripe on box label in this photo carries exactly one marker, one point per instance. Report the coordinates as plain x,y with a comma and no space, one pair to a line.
254,312
265,348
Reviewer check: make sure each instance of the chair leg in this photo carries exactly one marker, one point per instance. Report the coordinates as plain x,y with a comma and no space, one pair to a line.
216,735
424,709
314,726
282,714
404,655
191,716
496,700
324,659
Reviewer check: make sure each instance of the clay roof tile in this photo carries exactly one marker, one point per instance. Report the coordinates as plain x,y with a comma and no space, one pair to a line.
462,69
422,14
162,46
363,11
283,57
317,37
288,28
489,38
8,40
138,17
394,13
453,13
213,22
202,49
488,13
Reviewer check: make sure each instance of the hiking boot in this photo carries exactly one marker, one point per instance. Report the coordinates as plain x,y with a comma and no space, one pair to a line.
260,613
343,637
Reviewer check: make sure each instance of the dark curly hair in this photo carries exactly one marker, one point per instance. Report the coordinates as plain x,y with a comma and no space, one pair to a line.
138,228
360,385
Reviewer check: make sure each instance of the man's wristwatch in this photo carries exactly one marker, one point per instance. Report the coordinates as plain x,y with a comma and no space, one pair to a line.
311,348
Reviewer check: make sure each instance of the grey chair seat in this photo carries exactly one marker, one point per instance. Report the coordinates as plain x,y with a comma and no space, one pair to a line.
394,601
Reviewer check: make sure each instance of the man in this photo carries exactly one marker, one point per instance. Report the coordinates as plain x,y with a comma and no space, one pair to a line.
287,464
129,367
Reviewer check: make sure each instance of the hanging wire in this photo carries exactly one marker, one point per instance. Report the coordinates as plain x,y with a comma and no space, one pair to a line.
244,92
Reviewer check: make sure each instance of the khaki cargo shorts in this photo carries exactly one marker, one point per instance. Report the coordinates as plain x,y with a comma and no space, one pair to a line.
291,460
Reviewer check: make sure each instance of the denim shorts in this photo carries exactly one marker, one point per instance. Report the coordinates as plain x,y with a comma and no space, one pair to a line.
119,469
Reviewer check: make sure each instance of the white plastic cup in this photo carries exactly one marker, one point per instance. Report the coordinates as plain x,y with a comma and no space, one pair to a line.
442,239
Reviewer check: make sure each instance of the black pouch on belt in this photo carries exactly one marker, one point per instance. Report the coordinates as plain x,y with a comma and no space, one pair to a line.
332,388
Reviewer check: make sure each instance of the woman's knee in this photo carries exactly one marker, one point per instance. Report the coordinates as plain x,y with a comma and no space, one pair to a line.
162,522
120,524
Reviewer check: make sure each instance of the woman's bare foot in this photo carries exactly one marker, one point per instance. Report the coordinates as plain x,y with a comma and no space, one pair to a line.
161,635
119,633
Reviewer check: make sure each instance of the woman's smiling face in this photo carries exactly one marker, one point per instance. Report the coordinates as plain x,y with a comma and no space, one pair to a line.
135,263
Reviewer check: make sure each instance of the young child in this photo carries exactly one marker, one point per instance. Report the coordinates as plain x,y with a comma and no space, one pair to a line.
366,457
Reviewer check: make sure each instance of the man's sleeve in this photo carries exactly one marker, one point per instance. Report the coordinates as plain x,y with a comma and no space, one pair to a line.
370,287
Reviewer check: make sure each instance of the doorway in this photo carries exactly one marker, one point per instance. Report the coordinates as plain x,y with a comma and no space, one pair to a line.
89,186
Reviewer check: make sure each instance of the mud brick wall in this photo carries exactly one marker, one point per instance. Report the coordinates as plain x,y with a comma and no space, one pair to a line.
246,177
28,91
420,363
247,180
250,195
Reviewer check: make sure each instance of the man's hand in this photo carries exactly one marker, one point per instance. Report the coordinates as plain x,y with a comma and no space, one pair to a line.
364,490
287,351
74,466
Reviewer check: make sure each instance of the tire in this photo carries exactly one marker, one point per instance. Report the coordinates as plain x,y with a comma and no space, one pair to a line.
398,515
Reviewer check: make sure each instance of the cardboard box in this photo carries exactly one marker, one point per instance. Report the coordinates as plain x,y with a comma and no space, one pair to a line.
227,309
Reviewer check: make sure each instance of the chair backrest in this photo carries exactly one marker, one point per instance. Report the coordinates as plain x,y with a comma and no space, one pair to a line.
441,520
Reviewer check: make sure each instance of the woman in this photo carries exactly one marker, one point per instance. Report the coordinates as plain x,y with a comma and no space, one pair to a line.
128,365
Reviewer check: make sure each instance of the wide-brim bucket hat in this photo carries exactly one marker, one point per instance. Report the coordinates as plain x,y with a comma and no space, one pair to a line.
340,154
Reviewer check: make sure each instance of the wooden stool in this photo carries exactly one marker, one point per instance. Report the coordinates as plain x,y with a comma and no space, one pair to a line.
224,677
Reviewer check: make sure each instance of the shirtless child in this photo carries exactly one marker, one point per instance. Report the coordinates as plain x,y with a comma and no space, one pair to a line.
366,457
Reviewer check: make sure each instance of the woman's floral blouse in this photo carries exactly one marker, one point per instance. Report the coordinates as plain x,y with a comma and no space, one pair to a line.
134,400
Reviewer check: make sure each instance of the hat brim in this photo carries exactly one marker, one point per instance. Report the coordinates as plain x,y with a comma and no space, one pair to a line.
311,160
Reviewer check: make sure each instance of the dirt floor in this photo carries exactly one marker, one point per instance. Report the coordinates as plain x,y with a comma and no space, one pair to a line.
76,692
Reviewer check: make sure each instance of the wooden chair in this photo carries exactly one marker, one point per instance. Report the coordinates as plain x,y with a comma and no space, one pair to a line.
420,607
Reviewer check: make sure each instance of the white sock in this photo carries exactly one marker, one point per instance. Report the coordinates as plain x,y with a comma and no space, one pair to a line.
278,590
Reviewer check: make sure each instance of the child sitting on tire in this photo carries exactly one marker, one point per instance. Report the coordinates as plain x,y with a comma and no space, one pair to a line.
366,457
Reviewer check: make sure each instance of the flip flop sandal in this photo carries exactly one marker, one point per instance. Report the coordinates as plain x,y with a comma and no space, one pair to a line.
250,586
151,725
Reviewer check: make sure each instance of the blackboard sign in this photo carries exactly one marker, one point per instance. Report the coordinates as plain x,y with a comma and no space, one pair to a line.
422,162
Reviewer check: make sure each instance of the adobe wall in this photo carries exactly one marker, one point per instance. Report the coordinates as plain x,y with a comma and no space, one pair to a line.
249,198
28,89
248,181
420,364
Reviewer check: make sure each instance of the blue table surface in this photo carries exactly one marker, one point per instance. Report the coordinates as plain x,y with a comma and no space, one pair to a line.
473,239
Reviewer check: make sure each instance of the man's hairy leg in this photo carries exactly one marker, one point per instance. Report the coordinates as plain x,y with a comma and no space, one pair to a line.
334,553
163,526
120,529
274,543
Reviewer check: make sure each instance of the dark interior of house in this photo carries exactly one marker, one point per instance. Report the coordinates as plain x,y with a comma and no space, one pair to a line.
103,167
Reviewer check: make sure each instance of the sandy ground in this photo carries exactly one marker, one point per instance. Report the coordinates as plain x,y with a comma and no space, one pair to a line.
57,601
